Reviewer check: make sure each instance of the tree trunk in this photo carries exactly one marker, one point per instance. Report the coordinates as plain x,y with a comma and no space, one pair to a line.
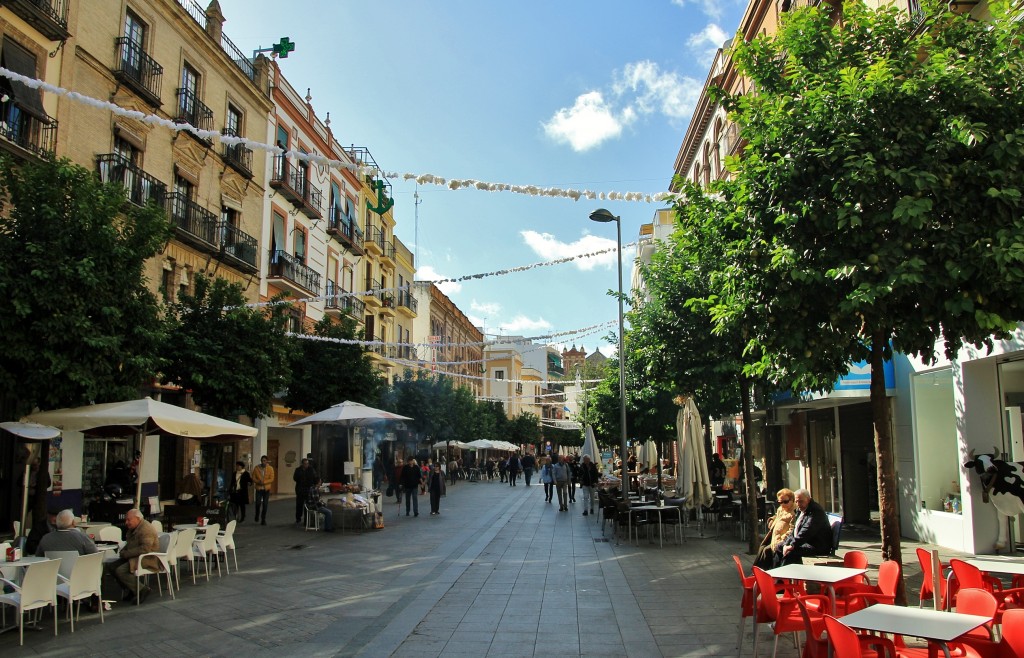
881,413
753,541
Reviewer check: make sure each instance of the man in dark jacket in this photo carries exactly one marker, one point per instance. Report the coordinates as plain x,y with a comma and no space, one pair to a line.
410,481
812,533
305,478
588,477
529,463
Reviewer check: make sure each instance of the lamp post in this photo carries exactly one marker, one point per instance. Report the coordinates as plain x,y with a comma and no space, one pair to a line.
604,216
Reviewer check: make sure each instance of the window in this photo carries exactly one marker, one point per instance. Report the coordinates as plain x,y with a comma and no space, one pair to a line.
184,193
336,205
282,137
190,80
300,244
23,103
190,108
128,153
134,30
167,282
277,237
499,374
233,124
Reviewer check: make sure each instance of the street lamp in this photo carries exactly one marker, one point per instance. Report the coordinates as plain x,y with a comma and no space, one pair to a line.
604,216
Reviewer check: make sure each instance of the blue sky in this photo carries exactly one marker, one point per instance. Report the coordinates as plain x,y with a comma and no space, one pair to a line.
584,94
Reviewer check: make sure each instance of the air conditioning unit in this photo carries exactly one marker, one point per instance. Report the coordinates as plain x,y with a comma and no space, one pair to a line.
776,416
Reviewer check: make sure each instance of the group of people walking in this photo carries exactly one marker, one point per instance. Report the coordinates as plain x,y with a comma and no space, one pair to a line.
561,475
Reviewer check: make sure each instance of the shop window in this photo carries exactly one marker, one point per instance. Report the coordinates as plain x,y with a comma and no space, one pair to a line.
935,436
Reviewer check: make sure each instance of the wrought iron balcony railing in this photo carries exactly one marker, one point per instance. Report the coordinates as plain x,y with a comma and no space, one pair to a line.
138,70
285,266
26,130
239,158
193,111
238,244
294,184
48,16
406,299
142,188
192,219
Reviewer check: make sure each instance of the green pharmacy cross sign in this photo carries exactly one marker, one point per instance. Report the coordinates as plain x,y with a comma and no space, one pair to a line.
279,49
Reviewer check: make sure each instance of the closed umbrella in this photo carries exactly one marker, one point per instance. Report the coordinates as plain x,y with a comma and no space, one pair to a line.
649,454
692,479
590,447
32,432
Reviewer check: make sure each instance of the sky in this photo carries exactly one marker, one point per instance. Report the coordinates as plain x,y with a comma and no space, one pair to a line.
583,94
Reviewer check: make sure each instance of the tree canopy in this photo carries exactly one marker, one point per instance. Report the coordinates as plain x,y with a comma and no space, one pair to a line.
232,357
79,323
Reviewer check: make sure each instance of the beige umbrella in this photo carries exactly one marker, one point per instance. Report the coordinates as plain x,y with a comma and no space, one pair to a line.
141,417
692,479
32,432
590,447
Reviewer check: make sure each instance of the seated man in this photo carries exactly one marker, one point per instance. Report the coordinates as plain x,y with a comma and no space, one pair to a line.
66,537
812,534
316,505
141,539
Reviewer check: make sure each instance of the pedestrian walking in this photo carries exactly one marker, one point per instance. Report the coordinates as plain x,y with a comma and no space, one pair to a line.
574,476
305,478
238,491
588,483
560,470
503,469
513,469
411,485
547,478
398,481
435,485
529,463
263,477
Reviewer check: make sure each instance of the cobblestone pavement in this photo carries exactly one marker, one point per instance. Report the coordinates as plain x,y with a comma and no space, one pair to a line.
498,573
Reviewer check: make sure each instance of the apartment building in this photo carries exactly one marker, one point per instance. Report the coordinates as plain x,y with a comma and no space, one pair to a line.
454,345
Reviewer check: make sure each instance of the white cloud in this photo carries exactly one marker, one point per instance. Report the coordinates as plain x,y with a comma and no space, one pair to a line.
549,247
489,309
641,88
707,42
428,273
712,8
521,323
586,124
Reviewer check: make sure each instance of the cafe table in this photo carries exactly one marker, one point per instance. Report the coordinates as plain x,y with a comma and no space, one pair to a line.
813,573
932,625
995,564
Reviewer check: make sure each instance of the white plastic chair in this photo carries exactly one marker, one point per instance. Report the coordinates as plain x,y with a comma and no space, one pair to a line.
167,543
157,525
225,542
67,561
206,548
183,550
83,582
109,533
38,590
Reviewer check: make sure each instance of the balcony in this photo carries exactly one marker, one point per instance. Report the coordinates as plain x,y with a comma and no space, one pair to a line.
294,185
406,352
376,350
288,271
407,303
137,70
142,188
388,302
388,257
238,247
373,241
345,229
50,17
25,133
192,222
193,111
239,158
347,304
372,296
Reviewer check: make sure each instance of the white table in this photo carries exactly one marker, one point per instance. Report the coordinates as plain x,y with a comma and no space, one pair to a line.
24,561
997,565
814,573
932,625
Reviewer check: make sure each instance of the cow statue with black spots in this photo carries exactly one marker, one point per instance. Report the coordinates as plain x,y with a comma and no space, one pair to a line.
1002,483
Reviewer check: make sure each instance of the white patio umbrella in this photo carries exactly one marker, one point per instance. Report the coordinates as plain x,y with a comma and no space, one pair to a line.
482,444
590,447
32,432
648,454
441,445
692,480
141,417
349,414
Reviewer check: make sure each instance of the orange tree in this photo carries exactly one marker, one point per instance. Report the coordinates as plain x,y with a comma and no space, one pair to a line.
879,198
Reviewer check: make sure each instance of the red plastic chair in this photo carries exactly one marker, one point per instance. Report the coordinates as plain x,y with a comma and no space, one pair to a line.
846,643
974,601
970,576
924,558
850,598
1012,643
747,602
856,560
782,612
815,638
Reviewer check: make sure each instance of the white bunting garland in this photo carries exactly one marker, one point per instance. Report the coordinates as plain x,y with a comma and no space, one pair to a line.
359,169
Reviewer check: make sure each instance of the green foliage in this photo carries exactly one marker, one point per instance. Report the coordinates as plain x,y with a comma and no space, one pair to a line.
78,322
327,372
233,358
426,399
563,437
879,191
524,428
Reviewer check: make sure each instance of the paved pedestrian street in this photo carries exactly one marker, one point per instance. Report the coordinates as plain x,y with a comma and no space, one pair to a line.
498,573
